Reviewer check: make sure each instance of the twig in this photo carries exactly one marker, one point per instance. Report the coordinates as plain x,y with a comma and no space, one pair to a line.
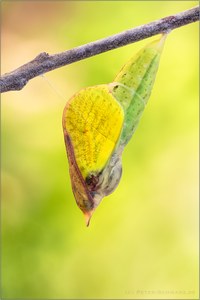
44,62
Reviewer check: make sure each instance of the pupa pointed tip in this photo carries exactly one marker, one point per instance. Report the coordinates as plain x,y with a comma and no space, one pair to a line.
88,216
87,220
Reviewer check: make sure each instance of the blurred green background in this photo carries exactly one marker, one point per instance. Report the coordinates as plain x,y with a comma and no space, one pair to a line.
143,239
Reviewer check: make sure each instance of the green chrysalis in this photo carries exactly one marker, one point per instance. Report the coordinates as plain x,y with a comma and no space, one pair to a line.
99,121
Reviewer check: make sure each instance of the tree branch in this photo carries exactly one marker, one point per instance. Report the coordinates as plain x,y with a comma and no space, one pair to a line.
44,62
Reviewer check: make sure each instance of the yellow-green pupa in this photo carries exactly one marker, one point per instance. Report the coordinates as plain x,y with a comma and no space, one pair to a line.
99,121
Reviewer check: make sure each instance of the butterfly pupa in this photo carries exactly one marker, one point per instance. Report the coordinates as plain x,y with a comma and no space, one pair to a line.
99,121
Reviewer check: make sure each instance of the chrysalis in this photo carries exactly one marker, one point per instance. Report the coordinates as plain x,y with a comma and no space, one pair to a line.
99,121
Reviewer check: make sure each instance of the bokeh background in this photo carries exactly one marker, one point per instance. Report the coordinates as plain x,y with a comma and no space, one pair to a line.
142,242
